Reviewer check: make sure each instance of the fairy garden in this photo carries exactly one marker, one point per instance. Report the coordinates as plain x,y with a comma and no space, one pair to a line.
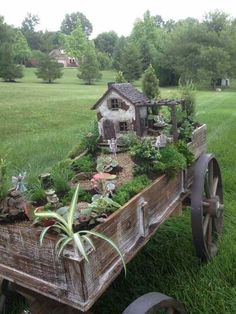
133,142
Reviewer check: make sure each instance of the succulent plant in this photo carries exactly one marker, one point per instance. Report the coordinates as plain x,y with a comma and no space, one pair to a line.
106,164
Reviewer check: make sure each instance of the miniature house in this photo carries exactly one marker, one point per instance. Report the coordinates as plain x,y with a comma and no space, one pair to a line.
121,109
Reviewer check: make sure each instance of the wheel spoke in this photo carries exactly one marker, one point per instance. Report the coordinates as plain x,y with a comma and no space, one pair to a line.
214,186
210,174
205,223
209,233
206,187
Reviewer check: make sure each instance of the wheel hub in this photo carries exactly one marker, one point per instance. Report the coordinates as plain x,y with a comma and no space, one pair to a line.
214,207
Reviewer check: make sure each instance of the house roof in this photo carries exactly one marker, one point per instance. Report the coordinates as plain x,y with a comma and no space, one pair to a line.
126,90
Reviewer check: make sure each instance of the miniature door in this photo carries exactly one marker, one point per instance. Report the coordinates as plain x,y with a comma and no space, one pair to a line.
108,130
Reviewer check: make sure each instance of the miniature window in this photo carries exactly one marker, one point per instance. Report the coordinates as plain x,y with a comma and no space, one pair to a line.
114,104
123,126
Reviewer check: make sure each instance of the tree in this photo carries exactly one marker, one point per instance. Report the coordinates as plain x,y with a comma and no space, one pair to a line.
106,42
105,61
70,21
131,63
119,78
48,69
118,50
28,25
147,35
9,71
150,84
215,64
76,42
21,48
89,66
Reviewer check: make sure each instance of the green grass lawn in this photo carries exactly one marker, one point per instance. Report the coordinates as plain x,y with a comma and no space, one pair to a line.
39,124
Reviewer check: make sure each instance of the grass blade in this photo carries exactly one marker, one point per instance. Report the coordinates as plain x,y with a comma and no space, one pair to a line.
72,209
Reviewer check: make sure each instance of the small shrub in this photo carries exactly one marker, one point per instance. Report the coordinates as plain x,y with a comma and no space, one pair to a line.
183,149
144,151
131,188
61,175
84,196
36,192
129,139
185,131
83,164
170,161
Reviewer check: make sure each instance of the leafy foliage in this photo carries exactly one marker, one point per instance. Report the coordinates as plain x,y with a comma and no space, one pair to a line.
183,149
144,151
170,162
48,69
130,189
130,63
89,66
70,21
36,192
9,71
83,195
76,43
150,83
61,174
185,131
101,204
187,93
119,78
83,164
106,42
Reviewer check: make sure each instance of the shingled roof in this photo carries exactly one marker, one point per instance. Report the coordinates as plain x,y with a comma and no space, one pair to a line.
126,90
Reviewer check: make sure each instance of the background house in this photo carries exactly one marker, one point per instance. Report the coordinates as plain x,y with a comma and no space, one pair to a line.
63,58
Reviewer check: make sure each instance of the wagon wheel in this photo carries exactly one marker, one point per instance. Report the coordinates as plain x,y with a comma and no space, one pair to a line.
154,303
207,205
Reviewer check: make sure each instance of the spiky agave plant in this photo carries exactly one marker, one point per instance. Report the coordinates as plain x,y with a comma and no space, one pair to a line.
79,238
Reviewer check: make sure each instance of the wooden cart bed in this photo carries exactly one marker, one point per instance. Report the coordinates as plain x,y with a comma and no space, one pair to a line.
74,281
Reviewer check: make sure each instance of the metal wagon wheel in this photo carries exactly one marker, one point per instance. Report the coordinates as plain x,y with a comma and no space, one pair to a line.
155,303
207,205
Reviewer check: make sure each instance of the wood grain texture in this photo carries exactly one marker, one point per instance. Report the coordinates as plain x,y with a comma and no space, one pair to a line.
71,280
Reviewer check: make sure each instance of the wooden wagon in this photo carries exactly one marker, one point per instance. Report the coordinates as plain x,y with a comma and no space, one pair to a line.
74,282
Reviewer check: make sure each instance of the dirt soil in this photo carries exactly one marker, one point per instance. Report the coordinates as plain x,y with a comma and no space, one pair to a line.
124,173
